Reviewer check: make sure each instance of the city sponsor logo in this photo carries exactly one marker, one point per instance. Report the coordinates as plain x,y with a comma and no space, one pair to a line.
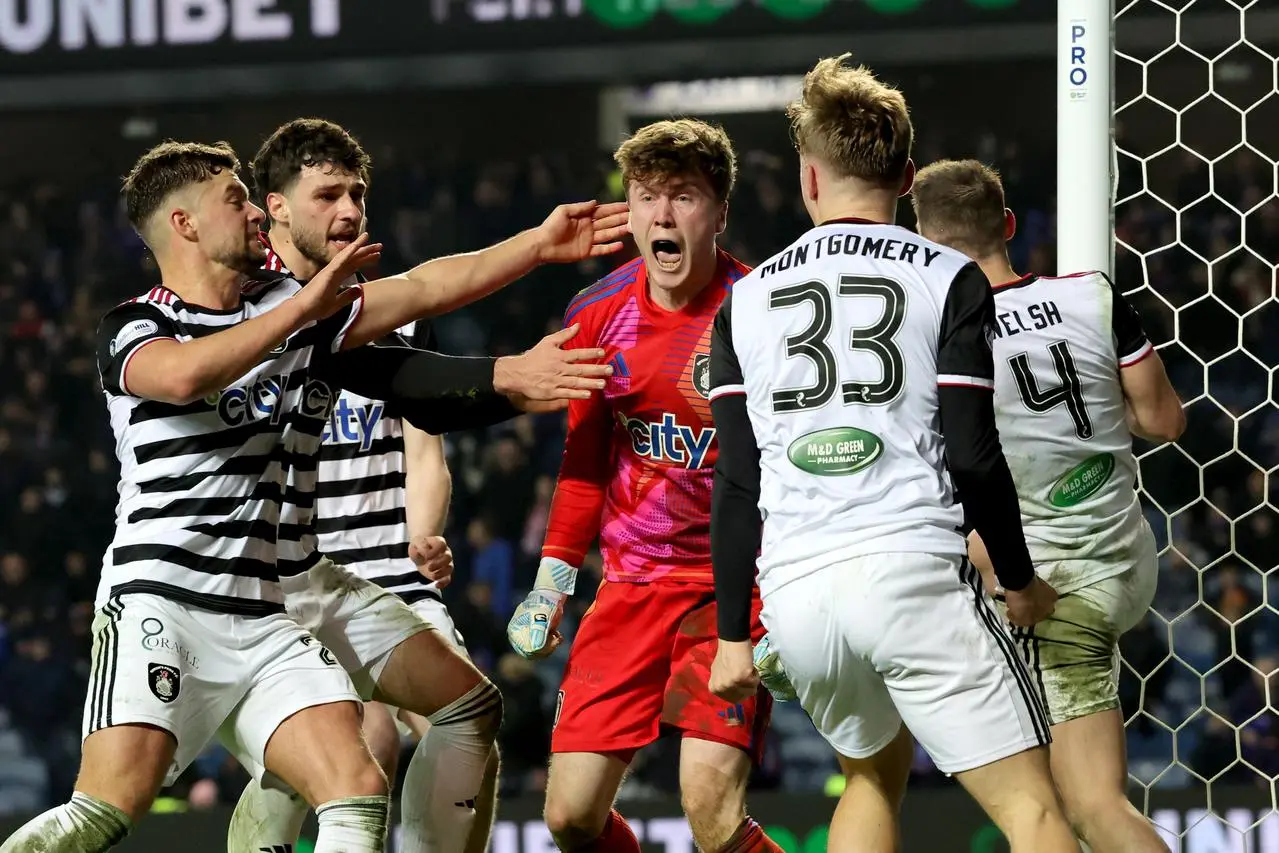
353,424
1082,482
669,441
265,400
835,452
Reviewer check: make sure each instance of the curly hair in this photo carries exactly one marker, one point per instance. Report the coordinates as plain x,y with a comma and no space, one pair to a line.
663,150
301,143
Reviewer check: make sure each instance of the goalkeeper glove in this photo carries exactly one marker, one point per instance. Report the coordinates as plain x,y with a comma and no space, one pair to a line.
769,667
532,630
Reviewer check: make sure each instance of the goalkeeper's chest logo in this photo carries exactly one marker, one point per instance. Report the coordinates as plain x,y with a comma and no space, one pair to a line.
702,374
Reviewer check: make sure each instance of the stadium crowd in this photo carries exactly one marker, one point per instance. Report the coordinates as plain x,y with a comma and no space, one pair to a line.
67,254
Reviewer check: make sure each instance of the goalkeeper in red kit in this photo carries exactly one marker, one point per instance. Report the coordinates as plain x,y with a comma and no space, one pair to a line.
637,470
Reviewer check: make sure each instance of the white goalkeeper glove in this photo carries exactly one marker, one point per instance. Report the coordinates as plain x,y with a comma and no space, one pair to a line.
768,665
532,630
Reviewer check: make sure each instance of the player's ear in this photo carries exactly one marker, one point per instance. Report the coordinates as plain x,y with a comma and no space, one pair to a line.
808,180
721,218
1010,224
908,179
277,207
183,222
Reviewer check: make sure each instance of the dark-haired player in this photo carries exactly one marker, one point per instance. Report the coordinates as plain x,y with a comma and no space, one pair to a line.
213,388
382,483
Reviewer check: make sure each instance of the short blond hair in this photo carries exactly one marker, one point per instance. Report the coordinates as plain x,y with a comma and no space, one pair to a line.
961,204
663,150
853,123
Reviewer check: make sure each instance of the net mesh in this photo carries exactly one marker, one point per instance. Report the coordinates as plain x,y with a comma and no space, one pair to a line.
1197,228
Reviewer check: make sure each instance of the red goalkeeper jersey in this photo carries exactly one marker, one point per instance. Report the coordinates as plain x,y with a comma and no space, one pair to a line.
639,458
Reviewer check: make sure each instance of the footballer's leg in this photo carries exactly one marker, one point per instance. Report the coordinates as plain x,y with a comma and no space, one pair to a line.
721,740
272,818
609,706
579,813
121,771
965,694
415,802
445,775
299,725
867,815
1074,657
824,627
485,803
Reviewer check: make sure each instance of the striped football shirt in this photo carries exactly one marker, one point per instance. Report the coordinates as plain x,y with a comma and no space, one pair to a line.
203,486
360,519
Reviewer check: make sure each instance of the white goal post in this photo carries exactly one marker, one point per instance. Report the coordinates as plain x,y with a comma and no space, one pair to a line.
1085,130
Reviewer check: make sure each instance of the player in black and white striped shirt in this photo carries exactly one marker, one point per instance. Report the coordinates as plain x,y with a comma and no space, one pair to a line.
218,412
312,176
851,382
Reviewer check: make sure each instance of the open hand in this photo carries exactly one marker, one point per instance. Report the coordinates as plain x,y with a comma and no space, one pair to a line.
587,229
546,377
325,294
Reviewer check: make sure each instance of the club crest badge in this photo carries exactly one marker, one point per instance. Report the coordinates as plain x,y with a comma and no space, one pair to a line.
702,374
165,681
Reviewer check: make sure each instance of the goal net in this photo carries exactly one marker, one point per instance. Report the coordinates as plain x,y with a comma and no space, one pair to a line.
1194,234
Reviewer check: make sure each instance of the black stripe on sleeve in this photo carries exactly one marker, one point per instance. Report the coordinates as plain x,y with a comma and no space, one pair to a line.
122,331
1125,323
967,326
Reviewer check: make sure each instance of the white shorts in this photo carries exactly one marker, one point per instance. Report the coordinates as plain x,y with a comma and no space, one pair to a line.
436,614
879,640
361,622
1074,653
197,674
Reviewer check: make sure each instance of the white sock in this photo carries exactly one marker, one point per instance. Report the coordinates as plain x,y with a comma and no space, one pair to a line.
437,808
265,819
83,825
352,825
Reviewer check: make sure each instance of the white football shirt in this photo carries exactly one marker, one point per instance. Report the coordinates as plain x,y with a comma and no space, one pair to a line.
839,343
1059,345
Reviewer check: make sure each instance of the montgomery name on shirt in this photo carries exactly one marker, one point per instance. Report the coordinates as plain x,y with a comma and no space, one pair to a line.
851,245
1041,316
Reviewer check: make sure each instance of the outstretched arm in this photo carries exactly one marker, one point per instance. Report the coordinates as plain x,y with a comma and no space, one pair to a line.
571,233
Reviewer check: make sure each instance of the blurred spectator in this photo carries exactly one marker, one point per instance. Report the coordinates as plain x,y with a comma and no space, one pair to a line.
492,563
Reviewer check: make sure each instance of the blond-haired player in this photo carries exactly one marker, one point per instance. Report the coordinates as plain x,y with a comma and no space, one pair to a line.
848,373
1075,377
